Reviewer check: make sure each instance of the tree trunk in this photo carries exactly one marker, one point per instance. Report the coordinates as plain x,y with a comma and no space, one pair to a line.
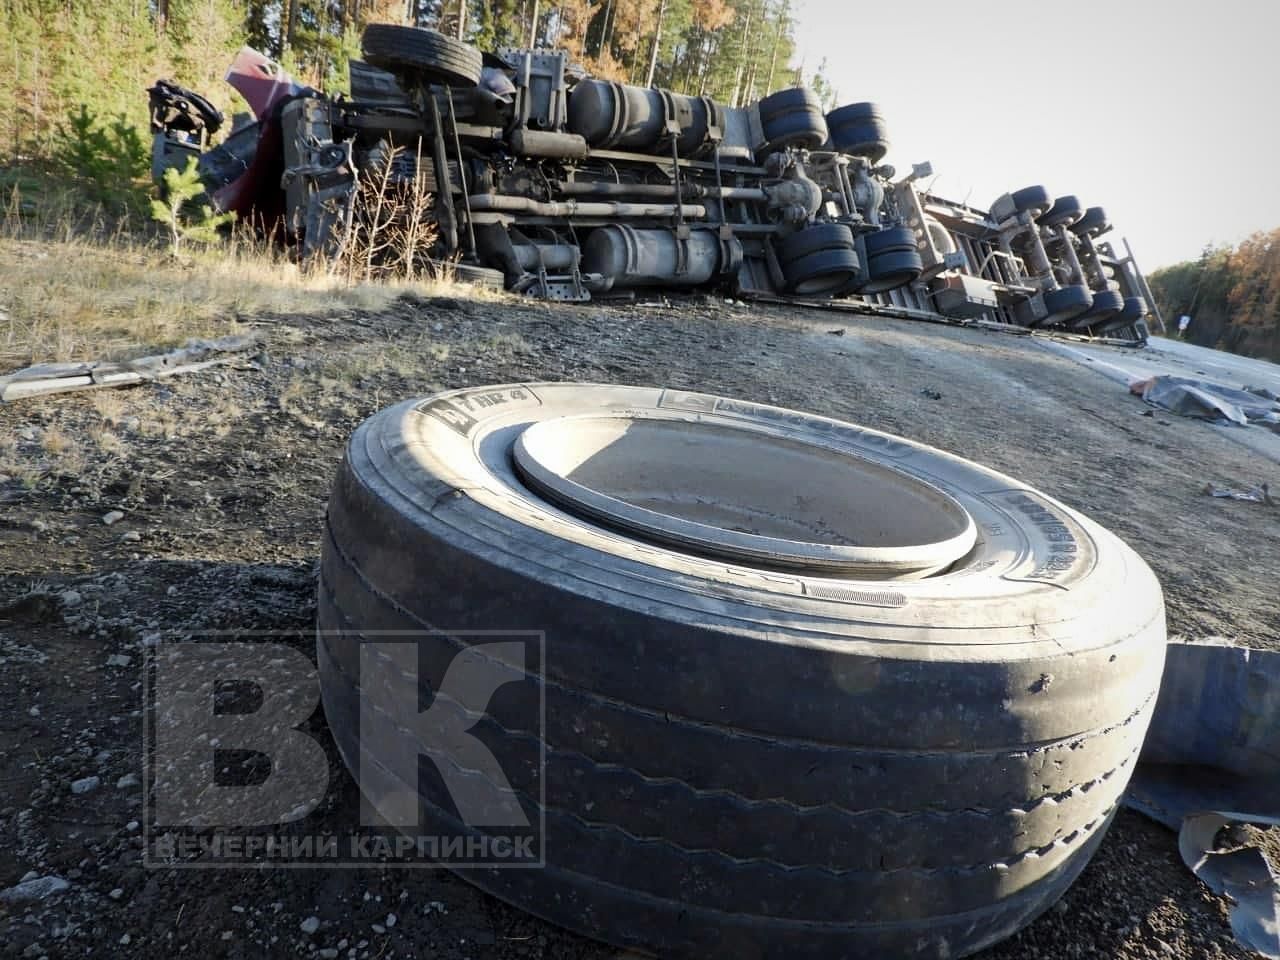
691,58
773,57
709,53
606,27
742,58
533,27
292,25
657,41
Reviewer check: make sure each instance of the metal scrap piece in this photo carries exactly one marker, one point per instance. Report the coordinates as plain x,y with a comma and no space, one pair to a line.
1212,758
46,378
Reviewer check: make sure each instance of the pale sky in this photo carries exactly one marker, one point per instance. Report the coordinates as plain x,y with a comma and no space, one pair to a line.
1166,114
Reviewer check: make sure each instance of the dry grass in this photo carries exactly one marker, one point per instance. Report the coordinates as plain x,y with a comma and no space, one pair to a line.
79,299
63,454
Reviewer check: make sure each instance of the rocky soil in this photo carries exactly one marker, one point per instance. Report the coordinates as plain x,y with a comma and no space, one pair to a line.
195,504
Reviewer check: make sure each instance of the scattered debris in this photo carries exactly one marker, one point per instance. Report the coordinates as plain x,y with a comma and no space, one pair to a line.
45,378
1241,873
931,394
1258,494
1212,759
252,570
1207,401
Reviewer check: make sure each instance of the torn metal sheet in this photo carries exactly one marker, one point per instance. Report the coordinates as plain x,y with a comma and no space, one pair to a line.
46,378
1241,874
1212,759
1206,400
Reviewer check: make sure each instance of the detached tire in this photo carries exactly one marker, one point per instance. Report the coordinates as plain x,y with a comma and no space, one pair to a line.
747,760
427,53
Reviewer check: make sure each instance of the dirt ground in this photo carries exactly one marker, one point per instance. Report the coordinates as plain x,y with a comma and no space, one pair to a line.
222,477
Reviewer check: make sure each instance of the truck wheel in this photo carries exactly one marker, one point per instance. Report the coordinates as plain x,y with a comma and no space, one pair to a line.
859,130
893,269
426,53
1034,200
1134,310
890,240
792,118
804,128
1065,210
820,236
1094,223
788,101
1066,303
1106,304
810,690
822,273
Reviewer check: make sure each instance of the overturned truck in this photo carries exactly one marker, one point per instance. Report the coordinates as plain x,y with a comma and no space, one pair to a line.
562,186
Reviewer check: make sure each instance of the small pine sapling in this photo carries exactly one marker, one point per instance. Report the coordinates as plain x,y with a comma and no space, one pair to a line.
177,210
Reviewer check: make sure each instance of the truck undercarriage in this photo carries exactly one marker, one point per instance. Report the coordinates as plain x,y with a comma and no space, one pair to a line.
562,186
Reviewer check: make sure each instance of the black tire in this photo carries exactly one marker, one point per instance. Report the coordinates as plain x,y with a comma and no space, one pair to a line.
792,118
788,101
1065,210
1134,310
1106,304
888,271
1034,200
431,55
805,129
855,113
820,236
1065,304
1094,223
740,764
859,130
822,273
890,240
